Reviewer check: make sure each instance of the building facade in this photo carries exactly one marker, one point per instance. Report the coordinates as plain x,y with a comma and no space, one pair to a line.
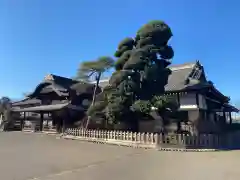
202,108
59,99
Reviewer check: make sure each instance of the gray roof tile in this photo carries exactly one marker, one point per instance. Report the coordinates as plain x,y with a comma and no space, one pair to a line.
176,81
27,101
48,108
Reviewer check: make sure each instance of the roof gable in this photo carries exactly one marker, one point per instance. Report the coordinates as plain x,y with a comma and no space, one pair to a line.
54,83
62,81
49,77
177,80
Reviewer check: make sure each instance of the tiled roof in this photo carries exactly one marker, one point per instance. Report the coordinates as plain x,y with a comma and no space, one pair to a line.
55,83
27,101
63,81
48,108
177,79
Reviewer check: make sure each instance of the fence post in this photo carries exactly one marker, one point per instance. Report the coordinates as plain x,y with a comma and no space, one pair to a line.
128,136
110,134
142,137
156,140
152,138
124,135
160,139
121,135
114,134
92,133
103,134
131,136
96,134
85,133
179,142
135,137
138,137
183,139
147,138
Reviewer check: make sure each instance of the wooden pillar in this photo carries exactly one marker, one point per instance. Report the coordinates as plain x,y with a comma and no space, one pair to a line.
48,120
197,100
41,121
64,117
63,124
178,99
224,117
23,120
230,117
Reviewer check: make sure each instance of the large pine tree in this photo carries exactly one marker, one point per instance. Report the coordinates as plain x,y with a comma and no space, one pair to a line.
141,73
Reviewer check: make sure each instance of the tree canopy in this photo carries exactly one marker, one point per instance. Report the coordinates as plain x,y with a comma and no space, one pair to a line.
89,69
94,68
5,107
5,102
141,73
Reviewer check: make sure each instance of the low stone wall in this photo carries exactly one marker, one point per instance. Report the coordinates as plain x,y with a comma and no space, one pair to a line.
156,141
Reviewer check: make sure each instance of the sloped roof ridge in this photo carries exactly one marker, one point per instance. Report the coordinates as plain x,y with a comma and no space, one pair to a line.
52,77
62,77
183,66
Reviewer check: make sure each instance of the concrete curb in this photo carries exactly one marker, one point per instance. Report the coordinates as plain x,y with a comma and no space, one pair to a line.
134,145
109,141
187,150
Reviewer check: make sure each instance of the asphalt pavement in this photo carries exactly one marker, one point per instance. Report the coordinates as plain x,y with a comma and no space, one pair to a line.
25,156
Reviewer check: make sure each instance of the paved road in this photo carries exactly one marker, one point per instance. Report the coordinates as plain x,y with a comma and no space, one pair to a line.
43,157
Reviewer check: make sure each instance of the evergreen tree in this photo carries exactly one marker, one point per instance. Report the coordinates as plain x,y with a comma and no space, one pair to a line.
141,73
95,69
5,112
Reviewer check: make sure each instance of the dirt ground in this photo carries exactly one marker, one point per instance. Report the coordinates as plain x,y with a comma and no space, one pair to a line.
43,157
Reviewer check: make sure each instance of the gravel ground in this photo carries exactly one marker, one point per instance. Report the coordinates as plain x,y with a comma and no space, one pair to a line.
43,157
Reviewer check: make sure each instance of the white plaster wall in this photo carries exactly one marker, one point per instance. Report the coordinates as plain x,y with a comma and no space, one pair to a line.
188,101
202,102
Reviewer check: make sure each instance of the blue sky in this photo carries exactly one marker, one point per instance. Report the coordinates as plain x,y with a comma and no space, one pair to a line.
38,37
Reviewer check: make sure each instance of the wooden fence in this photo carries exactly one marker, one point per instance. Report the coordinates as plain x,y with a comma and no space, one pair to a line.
155,140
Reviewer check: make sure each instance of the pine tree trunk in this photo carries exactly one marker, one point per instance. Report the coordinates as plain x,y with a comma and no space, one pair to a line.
94,96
